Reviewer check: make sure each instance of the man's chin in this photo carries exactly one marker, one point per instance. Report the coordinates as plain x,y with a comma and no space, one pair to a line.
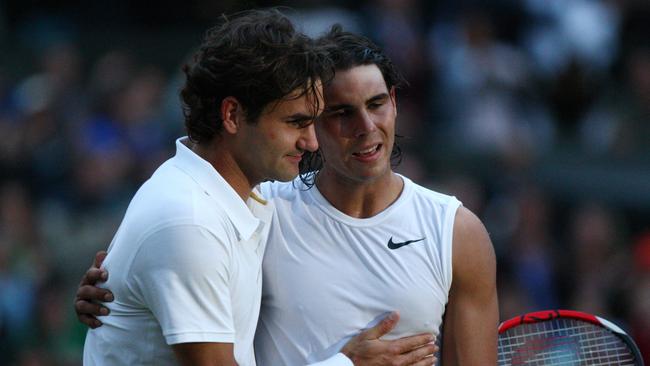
287,175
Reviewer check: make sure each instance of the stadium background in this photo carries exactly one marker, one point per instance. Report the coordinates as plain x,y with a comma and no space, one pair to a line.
535,113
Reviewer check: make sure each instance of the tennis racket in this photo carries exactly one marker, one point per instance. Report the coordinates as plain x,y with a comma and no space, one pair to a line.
564,337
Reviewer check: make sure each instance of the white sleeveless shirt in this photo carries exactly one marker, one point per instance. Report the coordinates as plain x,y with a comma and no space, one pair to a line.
328,275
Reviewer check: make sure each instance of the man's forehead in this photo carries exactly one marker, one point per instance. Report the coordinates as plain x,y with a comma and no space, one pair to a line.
363,81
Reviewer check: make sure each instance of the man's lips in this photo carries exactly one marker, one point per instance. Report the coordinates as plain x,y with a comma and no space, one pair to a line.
368,152
295,158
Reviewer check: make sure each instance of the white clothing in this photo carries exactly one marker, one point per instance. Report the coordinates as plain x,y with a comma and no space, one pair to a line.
185,266
328,275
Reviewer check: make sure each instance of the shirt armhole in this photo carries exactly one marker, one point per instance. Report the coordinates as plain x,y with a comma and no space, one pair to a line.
448,239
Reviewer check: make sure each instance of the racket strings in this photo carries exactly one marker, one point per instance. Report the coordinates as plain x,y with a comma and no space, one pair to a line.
562,342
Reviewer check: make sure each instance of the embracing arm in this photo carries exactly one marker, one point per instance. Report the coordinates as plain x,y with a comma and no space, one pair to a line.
472,314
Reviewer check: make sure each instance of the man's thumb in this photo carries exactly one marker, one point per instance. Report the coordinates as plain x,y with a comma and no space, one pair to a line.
384,326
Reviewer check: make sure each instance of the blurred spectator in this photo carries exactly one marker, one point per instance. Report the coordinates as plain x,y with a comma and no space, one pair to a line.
600,260
532,249
484,98
619,122
581,30
316,21
123,138
21,268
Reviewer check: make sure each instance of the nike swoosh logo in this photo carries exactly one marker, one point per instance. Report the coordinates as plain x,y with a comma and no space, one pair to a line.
393,245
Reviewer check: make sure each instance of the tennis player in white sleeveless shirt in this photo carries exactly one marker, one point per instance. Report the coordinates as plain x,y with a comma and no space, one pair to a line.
360,278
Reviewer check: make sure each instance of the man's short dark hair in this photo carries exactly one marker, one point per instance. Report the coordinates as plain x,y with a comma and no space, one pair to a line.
255,56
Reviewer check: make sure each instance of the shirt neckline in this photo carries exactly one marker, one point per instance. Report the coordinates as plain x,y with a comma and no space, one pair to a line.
338,215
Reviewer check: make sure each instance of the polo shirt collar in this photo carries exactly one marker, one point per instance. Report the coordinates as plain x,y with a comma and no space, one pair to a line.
215,186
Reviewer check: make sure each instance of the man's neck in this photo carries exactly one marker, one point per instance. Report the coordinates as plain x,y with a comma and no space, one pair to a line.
224,163
360,199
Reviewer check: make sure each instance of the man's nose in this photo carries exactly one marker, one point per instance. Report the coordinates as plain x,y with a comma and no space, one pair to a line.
308,141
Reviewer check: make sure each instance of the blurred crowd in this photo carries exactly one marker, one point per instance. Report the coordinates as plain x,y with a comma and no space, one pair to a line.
534,113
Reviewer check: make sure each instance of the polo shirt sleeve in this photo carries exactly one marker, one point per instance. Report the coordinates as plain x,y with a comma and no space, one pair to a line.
182,274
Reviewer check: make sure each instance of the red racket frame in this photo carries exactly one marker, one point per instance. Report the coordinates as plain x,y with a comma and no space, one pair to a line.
546,315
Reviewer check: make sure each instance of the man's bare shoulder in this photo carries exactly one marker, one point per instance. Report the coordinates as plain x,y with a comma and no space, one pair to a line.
473,253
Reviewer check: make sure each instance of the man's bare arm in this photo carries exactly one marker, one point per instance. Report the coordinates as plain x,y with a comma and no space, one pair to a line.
472,314
205,354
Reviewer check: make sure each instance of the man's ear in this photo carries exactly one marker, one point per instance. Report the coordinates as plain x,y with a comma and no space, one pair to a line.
232,114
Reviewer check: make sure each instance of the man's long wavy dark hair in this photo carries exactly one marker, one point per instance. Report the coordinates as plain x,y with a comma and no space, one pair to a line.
255,56
347,50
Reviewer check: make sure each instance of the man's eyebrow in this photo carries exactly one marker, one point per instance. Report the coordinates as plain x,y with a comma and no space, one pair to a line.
298,117
335,107
378,97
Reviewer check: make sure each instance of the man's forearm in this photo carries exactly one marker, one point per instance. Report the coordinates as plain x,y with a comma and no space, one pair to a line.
205,354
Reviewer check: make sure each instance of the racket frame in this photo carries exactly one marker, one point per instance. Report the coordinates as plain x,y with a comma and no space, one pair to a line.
547,315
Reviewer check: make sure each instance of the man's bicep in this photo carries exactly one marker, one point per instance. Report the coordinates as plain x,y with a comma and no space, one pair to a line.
205,354
183,276
471,317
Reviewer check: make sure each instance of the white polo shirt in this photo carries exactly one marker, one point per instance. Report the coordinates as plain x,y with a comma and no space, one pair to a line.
185,266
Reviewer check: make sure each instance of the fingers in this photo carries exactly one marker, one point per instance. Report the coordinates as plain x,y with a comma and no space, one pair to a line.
406,344
99,258
383,327
91,293
94,275
90,321
90,309
86,309
420,356
427,361
87,295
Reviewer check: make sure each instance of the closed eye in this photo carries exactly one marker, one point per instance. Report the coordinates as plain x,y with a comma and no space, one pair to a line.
340,112
375,105
377,101
300,122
